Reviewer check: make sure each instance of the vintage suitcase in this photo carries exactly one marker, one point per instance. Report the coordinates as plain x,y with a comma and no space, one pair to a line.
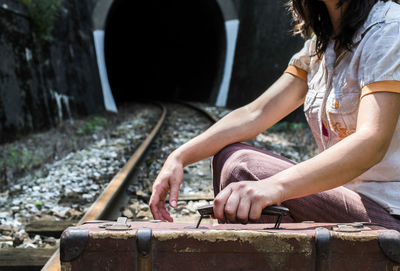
154,245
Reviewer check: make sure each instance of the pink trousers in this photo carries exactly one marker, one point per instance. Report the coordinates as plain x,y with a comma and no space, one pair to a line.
240,162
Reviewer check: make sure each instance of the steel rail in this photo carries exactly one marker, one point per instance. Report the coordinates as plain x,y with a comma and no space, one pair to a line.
107,197
209,115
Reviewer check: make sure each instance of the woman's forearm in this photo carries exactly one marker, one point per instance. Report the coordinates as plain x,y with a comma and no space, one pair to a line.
246,122
230,129
348,159
334,167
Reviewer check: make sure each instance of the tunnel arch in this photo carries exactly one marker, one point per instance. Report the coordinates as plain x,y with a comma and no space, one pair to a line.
99,14
165,49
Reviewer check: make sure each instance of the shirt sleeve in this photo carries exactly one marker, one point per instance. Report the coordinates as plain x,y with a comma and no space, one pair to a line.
299,64
379,69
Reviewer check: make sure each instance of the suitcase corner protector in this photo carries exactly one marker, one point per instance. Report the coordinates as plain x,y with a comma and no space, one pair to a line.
389,242
144,241
73,242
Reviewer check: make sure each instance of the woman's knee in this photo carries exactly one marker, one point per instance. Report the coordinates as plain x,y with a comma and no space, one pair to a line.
236,168
225,153
225,166
241,162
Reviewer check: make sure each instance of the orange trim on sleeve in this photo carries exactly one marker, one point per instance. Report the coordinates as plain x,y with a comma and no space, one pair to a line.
381,86
300,73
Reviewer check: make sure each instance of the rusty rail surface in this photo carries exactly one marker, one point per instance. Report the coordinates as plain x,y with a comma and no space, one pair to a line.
209,115
108,196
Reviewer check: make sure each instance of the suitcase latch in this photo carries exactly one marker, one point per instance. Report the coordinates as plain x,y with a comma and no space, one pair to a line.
120,225
352,227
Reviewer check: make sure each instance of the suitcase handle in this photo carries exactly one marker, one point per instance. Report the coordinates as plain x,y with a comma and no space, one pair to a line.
276,210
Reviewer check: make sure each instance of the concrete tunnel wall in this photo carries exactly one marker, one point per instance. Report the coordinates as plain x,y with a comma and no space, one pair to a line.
46,82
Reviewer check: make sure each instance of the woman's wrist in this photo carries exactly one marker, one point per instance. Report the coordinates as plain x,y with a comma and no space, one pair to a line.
177,156
278,191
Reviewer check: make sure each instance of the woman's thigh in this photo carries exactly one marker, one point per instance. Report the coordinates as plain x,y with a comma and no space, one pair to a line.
240,162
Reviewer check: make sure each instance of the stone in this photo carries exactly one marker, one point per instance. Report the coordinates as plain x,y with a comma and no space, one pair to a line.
19,239
50,241
15,209
191,207
185,212
46,216
7,244
144,208
6,229
131,190
15,189
142,195
134,207
28,245
4,215
74,214
144,215
6,238
179,208
128,213
37,240
88,197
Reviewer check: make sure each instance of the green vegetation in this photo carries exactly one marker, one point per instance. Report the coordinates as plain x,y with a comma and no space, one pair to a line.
43,14
21,159
38,204
16,158
91,126
287,127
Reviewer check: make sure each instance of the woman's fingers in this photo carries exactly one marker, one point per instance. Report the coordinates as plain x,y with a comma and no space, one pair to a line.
154,206
231,206
240,202
173,194
165,214
161,206
242,214
168,181
157,200
219,203
255,212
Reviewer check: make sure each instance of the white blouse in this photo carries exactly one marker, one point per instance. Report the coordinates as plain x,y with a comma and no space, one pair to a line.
336,84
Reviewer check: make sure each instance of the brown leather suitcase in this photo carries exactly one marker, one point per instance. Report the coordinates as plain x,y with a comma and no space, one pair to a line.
104,245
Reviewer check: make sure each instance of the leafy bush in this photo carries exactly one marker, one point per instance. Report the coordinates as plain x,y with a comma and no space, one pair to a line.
43,14
17,158
92,125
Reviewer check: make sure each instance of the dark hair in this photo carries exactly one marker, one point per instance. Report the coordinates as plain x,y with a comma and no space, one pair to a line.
312,17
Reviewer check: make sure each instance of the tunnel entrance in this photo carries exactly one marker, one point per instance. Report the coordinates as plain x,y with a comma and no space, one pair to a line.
163,49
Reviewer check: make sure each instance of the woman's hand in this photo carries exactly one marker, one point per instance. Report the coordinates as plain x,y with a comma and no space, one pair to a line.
244,201
168,180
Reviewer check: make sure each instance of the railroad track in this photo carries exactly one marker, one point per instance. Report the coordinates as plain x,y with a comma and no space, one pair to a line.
106,207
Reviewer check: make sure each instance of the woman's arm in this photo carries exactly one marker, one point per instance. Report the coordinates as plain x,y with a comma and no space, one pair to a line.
242,124
377,119
247,122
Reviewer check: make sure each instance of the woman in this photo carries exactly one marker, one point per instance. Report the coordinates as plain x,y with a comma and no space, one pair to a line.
348,77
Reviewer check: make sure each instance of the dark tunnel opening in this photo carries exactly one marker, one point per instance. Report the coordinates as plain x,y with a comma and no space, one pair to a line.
165,49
